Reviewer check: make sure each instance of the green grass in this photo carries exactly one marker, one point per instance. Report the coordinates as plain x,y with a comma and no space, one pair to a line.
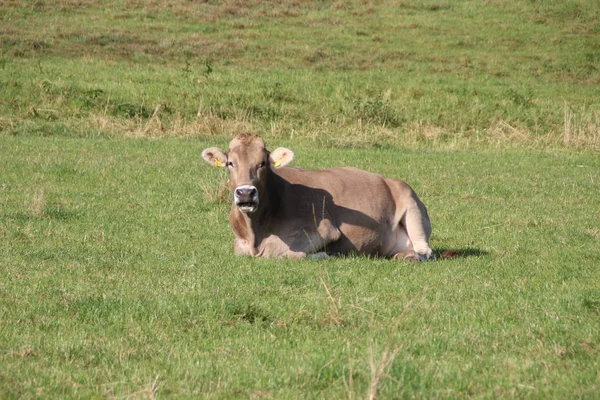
117,272
117,277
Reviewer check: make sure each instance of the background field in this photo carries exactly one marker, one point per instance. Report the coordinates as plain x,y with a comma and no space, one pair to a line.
340,73
116,272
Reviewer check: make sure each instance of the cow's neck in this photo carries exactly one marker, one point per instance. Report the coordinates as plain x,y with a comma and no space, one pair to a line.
250,228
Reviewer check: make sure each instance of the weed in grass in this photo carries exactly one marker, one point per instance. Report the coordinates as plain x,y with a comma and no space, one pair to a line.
249,313
592,302
333,317
377,111
379,368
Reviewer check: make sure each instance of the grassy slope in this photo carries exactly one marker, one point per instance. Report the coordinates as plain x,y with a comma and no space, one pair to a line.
366,73
115,274
117,280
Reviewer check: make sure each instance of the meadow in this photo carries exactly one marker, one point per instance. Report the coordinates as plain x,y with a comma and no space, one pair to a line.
117,277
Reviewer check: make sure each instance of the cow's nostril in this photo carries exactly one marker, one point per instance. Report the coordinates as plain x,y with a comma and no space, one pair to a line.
239,192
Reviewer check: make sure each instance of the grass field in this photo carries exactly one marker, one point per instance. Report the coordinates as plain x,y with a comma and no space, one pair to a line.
117,277
340,73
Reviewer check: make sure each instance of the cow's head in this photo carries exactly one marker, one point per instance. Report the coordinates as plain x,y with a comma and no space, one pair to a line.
248,162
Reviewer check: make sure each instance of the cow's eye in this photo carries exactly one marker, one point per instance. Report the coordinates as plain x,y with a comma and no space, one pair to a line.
262,164
229,164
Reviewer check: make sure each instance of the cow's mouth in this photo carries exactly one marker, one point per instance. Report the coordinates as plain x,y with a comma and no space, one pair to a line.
246,198
247,207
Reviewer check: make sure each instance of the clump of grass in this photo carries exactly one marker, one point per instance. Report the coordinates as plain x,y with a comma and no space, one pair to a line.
378,111
333,317
582,129
220,193
150,392
379,367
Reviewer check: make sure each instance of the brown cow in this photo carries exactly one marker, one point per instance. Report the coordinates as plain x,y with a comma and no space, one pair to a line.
280,211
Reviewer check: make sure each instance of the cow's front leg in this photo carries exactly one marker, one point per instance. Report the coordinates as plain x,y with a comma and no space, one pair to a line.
320,255
307,249
242,248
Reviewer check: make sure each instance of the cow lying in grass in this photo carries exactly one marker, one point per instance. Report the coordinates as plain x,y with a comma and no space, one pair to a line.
279,211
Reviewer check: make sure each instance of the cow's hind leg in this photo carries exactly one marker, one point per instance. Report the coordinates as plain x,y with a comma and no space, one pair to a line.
413,221
400,247
418,227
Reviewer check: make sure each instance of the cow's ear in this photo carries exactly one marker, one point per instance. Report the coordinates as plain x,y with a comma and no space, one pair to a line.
215,157
280,157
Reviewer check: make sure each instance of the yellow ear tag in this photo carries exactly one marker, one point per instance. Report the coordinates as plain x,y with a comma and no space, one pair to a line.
277,163
218,163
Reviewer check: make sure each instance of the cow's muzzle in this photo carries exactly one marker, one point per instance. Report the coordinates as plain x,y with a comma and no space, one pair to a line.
246,198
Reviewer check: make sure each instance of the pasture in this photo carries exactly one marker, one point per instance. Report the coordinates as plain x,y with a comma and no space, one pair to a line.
117,277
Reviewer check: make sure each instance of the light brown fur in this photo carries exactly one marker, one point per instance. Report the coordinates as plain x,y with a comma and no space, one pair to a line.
334,211
246,139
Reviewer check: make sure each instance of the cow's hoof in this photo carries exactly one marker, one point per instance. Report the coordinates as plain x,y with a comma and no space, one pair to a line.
321,255
426,256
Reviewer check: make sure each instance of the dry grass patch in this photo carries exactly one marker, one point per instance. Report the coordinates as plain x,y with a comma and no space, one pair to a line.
37,205
578,133
219,194
581,129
